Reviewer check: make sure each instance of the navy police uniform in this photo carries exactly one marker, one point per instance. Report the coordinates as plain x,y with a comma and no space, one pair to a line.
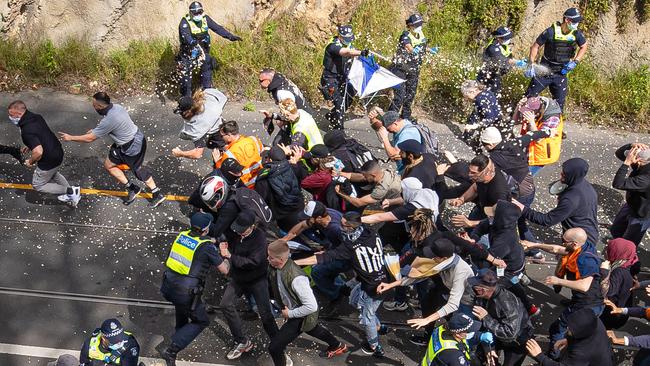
559,49
194,32
496,61
110,345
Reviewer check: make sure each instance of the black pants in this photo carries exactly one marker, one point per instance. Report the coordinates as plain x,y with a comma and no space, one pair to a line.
340,92
189,323
404,94
186,68
627,227
290,331
260,291
432,298
513,354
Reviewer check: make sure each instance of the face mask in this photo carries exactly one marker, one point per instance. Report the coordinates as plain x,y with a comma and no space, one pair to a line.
14,120
353,234
417,29
469,336
506,42
197,18
117,346
573,26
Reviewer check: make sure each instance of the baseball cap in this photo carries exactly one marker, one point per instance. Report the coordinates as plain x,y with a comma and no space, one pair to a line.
231,165
244,220
184,104
573,14
201,220
486,277
411,146
389,118
317,151
345,31
113,332
313,209
64,360
532,104
502,32
461,323
491,135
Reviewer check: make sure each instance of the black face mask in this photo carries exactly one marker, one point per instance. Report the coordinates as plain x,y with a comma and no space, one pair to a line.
231,179
104,111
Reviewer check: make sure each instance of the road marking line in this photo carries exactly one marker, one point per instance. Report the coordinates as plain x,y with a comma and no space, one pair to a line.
90,226
97,192
54,353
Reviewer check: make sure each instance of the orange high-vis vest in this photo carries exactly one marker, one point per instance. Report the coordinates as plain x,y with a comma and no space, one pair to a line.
545,151
246,150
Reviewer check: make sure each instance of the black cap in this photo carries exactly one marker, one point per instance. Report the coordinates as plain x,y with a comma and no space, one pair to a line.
461,323
573,14
277,154
313,209
231,166
201,220
317,151
64,360
244,220
345,32
415,20
184,104
389,118
411,146
502,32
196,8
485,277
334,139
113,332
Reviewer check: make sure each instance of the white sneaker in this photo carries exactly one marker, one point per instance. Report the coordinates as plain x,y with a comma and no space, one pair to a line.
289,360
73,199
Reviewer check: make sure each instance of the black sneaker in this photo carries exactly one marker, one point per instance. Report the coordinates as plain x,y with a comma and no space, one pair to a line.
157,199
378,351
249,315
168,357
419,340
133,194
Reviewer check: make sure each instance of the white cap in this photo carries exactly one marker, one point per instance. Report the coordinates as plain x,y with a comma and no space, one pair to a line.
491,135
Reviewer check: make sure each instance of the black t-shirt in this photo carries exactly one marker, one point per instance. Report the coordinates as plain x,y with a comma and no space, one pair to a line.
403,212
335,65
367,257
34,132
425,171
496,189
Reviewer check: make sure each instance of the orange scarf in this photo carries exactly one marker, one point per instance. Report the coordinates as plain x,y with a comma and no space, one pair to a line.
569,263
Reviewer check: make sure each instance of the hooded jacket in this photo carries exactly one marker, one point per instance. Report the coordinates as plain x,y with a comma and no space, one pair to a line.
588,342
636,186
577,205
413,193
511,156
503,236
282,83
283,182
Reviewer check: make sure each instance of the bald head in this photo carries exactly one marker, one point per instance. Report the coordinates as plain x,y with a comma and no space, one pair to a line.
576,237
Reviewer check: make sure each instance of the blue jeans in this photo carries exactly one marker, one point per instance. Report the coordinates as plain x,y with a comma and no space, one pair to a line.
367,307
327,279
559,327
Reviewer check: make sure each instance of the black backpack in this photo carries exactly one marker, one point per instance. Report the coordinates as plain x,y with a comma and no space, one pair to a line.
248,199
358,154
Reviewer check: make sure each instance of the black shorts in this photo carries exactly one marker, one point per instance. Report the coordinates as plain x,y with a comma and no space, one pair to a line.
117,157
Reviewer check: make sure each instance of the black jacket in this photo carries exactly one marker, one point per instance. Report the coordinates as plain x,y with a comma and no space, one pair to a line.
459,173
588,343
283,182
249,257
577,205
636,186
511,156
504,239
507,319
281,82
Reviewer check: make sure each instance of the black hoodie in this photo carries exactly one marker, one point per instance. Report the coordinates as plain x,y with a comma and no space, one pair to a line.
577,205
588,342
280,82
504,239
636,186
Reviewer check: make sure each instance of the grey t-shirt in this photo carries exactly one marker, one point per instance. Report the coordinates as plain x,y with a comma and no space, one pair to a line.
118,125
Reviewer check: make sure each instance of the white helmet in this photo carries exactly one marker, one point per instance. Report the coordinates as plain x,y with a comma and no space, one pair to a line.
214,191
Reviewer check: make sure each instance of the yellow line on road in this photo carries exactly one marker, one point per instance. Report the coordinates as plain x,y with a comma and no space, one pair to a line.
98,192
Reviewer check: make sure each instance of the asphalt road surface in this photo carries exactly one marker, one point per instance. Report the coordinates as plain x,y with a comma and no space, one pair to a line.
66,270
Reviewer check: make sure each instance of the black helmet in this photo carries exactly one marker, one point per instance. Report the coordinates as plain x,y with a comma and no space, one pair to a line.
196,8
415,20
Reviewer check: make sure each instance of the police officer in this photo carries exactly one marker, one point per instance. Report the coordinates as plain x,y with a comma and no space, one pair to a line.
190,258
560,41
498,60
336,65
448,344
110,345
195,46
410,52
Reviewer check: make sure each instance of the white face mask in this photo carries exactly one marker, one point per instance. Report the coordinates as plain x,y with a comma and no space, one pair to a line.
469,336
197,18
506,42
417,29
573,26
14,120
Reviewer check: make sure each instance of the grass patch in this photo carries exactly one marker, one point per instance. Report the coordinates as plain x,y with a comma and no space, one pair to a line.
460,27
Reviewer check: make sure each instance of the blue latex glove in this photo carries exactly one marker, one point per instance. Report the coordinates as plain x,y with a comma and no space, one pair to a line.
530,73
196,51
487,337
522,64
569,67
417,50
434,50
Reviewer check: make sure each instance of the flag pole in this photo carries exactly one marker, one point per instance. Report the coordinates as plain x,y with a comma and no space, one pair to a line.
381,57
